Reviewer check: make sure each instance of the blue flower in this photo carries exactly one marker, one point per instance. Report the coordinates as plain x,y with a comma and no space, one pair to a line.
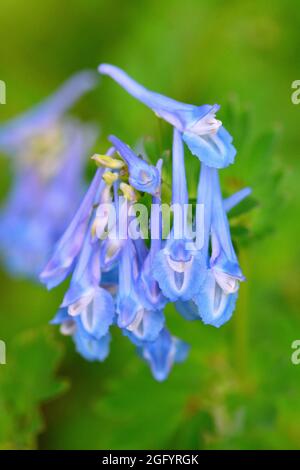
38,120
236,198
111,246
85,297
133,316
202,132
42,202
217,297
116,278
47,151
142,176
92,349
68,247
179,263
211,298
88,307
162,353
87,345
148,287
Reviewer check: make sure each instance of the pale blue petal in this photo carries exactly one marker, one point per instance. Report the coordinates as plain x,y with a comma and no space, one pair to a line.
99,315
179,185
202,133
127,308
223,257
142,176
13,133
236,198
178,114
215,306
86,276
178,271
68,247
162,353
215,150
147,325
148,288
60,317
188,310
90,348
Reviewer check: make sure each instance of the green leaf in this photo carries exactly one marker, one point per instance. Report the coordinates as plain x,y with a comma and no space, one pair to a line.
243,207
261,152
27,381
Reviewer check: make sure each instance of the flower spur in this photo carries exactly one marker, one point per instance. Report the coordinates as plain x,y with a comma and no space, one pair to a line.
202,132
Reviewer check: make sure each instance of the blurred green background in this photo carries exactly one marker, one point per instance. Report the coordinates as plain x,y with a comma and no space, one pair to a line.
238,389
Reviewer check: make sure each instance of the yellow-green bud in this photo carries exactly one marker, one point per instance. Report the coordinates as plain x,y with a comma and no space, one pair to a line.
110,177
128,191
107,161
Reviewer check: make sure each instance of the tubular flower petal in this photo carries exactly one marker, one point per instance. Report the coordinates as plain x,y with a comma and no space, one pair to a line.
47,151
179,263
142,176
162,353
14,133
149,289
43,199
133,316
202,132
68,247
90,347
217,298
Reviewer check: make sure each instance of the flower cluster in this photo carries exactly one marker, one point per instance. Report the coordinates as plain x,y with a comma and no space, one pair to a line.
123,281
47,150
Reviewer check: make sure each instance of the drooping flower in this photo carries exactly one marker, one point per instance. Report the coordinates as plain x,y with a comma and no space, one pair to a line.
41,118
202,132
88,307
137,317
69,245
47,151
62,261
85,296
39,207
87,345
179,262
212,305
162,353
217,298
142,176
133,316
148,286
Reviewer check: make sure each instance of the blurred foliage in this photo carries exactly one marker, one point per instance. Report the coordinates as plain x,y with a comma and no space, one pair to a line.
238,389
25,384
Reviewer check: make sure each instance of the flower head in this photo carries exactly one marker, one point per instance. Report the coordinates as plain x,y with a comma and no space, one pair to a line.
87,345
142,176
162,353
179,262
118,279
202,132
